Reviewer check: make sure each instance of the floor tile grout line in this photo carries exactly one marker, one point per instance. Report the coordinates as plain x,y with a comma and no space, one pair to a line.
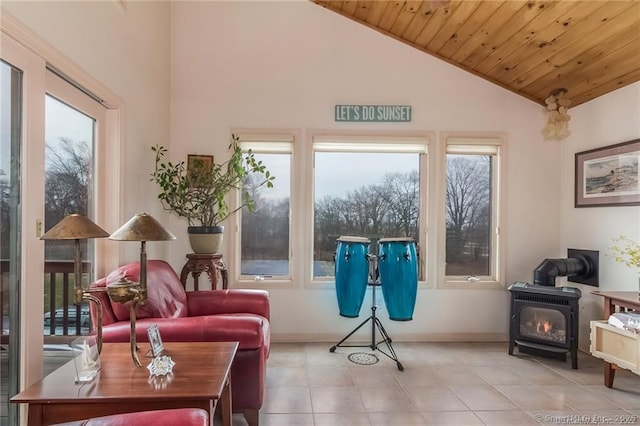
546,366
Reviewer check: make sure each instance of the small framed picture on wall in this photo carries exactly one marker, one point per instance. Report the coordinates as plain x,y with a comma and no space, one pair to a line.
199,163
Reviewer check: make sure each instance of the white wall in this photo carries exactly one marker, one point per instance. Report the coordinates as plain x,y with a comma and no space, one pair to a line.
285,65
607,120
126,50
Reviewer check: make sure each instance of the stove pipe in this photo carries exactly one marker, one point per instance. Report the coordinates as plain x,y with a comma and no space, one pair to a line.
545,274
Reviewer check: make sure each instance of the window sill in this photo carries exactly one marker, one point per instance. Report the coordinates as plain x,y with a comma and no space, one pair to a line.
466,285
264,284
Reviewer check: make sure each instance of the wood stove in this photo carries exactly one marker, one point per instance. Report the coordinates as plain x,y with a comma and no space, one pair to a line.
544,318
544,321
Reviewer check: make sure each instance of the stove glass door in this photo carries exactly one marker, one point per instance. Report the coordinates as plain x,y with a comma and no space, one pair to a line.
544,324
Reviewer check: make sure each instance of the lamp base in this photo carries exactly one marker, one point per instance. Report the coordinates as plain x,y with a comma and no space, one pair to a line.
128,291
134,345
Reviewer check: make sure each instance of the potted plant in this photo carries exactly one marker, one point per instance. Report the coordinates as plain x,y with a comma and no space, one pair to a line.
198,193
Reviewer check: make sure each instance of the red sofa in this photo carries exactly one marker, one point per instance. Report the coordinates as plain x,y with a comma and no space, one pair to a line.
178,416
198,316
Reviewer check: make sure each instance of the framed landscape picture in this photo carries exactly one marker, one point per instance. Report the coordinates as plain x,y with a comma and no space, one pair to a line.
608,176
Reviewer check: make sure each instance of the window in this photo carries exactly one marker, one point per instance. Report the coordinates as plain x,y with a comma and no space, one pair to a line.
472,249
377,186
367,187
265,229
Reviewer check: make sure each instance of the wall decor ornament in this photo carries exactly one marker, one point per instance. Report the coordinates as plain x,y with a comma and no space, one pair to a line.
608,176
557,117
199,164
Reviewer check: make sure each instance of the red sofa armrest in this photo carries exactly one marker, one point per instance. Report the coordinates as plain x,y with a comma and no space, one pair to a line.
212,302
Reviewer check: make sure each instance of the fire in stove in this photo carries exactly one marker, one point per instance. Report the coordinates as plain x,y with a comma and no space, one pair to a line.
544,326
540,326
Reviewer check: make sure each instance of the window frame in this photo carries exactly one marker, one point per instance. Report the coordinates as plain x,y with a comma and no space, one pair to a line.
432,222
382,141
265,142
475,143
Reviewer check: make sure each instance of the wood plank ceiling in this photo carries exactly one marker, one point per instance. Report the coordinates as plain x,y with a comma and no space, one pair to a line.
530,47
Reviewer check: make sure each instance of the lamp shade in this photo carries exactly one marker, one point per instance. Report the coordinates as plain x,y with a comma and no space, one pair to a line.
74,227
142,227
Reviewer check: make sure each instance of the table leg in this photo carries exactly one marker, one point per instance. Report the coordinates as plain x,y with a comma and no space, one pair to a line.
34,416
609,371
225,400
609,374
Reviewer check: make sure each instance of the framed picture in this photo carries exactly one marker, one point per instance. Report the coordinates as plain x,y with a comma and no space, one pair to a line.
197,163
608,176
155,340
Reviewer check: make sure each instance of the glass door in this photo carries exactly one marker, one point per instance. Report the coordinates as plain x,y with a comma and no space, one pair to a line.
69,171
10,230
53,133
74,123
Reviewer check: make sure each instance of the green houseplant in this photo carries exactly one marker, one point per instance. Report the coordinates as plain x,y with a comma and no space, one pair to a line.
626,251
199,193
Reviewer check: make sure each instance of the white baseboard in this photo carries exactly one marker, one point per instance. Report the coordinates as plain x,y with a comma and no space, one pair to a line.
415,337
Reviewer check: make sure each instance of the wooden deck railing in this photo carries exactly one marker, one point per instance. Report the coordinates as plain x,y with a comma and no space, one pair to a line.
58,282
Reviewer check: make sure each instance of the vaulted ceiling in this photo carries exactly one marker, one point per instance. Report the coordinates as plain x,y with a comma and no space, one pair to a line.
531,47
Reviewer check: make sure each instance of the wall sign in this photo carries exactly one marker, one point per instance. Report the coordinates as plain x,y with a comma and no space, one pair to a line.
375,113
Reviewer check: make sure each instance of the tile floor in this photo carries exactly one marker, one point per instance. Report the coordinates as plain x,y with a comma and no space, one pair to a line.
442,384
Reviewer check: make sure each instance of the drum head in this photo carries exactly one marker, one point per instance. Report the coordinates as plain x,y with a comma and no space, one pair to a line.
396,239
350,239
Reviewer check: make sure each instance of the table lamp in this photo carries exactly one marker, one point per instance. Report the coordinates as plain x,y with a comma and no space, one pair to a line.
77,227
141,227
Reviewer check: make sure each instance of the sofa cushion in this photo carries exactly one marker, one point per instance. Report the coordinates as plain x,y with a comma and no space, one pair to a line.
166,297
250,331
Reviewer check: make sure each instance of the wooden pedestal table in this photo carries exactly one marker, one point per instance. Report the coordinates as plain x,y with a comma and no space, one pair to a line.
210,264
613,301
201,378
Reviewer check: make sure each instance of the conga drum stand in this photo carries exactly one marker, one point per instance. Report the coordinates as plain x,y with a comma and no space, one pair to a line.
375,324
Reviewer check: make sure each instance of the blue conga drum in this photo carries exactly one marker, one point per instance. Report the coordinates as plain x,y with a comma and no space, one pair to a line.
351,273
398,268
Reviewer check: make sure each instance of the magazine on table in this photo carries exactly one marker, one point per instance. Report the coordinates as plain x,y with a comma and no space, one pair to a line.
626,320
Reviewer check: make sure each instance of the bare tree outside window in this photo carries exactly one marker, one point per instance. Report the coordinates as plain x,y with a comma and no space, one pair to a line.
68,179
377,205
468,215
265,230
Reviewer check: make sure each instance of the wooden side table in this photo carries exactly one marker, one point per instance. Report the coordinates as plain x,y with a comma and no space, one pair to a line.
615,301
211,264
201,379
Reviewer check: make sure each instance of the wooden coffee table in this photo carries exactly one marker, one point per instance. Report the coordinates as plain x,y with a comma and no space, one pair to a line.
201,377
